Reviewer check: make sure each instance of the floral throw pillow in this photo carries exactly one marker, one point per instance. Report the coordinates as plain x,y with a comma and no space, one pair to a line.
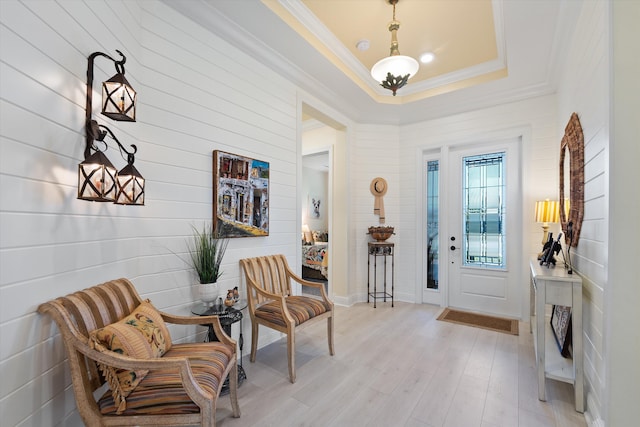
142,334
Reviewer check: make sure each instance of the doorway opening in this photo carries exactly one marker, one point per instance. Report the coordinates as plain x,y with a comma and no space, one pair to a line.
315,219
322,132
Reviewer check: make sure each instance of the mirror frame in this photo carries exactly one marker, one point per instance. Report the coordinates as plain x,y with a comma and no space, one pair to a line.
573,141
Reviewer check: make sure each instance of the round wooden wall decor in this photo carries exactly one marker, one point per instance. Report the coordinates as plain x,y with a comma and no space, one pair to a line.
573,143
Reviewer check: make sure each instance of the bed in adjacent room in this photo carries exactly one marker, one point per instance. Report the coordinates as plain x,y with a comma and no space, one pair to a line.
315,257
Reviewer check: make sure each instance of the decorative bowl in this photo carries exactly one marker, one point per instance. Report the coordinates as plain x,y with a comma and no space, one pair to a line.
380,233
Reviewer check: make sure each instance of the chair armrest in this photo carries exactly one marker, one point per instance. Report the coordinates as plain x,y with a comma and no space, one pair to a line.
307,282
304,282
212,320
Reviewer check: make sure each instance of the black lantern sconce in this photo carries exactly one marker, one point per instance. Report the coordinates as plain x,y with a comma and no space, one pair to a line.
98,180
118,97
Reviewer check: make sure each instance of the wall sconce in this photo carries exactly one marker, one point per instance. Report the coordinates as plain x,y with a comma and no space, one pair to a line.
97,177
98,180
118,97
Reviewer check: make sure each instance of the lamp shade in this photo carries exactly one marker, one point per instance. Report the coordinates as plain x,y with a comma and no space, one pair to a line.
130,187
396,65
547,211
97,179
119,99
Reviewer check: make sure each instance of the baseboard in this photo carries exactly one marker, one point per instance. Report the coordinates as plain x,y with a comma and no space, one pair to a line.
592,413
342,301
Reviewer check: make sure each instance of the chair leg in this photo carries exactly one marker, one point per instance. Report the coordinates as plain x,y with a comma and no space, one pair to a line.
208,413
233,390
330,334
291,349
254,341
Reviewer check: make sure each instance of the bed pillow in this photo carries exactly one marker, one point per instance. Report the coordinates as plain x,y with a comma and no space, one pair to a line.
320,236
142,334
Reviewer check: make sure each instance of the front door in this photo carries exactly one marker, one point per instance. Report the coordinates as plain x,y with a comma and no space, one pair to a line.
484,232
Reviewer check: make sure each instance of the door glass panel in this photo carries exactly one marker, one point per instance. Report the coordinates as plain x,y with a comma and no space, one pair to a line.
433,183
484,211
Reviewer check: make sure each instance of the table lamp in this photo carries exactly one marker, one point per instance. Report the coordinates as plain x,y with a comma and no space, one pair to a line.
306,234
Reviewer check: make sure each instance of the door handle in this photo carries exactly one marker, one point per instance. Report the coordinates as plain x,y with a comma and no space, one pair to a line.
452,247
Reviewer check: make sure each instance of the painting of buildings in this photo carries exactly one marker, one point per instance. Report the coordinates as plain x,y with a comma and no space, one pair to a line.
241,195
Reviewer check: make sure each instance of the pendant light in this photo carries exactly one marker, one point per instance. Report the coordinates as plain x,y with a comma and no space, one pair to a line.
394,71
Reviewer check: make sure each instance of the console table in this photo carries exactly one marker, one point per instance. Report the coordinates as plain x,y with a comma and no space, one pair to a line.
553,285
379,249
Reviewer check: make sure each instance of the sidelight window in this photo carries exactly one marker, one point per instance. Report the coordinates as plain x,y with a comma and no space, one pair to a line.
433,182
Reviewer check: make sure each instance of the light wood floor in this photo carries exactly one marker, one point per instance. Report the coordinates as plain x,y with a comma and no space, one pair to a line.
400,367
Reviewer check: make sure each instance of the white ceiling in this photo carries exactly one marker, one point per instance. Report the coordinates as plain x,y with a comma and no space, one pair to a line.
526,39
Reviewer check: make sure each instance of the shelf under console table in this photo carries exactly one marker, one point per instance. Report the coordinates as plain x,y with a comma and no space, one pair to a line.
554,286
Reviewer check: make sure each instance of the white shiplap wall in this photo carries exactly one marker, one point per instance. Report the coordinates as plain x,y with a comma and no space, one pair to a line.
584,89
375,154
196,94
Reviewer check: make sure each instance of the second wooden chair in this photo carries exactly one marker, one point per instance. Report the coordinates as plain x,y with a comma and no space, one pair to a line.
272,304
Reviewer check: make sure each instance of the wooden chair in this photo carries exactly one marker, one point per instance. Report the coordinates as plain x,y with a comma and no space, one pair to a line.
272,304
180,387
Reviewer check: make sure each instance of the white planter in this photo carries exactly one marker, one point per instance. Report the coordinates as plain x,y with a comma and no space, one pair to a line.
208,292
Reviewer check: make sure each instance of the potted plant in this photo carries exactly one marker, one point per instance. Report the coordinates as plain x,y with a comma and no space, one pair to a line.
206,252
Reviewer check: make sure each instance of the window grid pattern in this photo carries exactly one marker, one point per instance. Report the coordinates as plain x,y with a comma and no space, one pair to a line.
484,211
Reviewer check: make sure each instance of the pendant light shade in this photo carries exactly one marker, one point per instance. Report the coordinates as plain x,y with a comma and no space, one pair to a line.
398,65
97,179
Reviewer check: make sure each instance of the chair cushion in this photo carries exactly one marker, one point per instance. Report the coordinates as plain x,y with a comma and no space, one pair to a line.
301,308
161,391
142,334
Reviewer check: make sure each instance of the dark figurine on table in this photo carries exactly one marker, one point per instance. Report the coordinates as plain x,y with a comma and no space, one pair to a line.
550,248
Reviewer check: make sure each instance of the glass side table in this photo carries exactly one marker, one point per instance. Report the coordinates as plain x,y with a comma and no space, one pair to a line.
227,317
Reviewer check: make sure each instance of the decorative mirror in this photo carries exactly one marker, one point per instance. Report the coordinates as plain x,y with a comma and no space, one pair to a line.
572,151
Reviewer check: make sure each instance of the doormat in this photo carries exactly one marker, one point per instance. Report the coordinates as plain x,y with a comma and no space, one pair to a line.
499,324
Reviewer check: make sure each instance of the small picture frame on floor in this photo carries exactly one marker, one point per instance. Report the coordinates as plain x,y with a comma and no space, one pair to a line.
561,327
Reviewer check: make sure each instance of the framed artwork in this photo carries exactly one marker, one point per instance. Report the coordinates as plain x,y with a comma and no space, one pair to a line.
561,327
315,207
240,195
